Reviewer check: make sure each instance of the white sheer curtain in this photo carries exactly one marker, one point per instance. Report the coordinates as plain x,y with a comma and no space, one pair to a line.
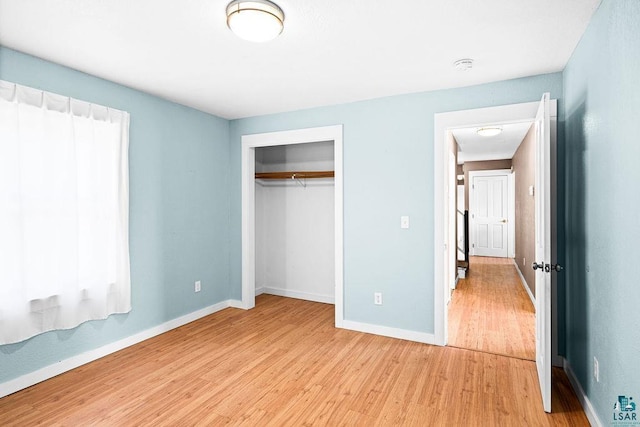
64,212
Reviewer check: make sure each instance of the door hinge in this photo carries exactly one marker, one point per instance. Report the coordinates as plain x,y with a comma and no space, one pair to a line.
473,245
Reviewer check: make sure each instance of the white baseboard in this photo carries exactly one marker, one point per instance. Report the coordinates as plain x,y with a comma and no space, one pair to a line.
524,284
27,380
295,294
234,303
589,410
387,331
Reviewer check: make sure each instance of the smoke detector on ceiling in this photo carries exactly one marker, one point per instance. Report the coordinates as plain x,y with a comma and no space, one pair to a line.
463,64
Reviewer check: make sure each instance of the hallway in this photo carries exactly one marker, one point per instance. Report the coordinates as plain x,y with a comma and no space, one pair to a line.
491,312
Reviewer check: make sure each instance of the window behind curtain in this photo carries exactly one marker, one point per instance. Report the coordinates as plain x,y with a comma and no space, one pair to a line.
64,204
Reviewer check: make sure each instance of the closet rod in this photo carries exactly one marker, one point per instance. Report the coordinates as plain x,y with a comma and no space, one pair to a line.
295,175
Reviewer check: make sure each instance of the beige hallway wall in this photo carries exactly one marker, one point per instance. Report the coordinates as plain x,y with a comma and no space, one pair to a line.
523,166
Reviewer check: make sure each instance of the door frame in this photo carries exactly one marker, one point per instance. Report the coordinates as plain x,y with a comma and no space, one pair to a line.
270,139
443,122
511,205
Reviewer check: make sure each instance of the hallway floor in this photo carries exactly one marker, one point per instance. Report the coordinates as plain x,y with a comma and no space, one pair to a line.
491,312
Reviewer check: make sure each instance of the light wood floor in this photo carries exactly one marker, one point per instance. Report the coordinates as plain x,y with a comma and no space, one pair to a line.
283,363
490,311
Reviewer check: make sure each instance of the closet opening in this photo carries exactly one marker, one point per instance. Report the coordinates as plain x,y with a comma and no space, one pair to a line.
294,221
292,216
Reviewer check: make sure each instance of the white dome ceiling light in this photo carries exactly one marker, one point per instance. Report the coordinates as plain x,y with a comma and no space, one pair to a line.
256,20
489,131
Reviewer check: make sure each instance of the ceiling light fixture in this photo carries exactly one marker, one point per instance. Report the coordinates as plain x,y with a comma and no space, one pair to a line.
489,131
255,20
463,64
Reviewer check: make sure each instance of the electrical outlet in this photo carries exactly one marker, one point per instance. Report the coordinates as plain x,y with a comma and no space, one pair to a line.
377,298
596,369
198,286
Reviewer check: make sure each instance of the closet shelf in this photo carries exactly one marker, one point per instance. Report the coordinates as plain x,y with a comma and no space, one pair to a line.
295,175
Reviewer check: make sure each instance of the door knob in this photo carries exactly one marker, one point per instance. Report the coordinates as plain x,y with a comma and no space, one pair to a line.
503,221
536,266
556,267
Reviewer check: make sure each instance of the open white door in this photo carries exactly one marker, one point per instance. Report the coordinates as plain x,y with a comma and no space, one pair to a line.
542,262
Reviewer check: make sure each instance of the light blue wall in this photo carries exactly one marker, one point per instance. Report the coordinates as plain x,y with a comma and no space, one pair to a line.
186,209
179,211
185,193
602,175
388,172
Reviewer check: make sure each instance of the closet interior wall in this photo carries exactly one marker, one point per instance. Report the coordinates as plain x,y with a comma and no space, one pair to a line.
295,223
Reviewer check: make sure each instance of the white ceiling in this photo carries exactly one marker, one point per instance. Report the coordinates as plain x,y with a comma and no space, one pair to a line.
473,147
331,51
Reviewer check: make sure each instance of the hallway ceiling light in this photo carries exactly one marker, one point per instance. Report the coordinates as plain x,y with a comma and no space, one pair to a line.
489,131
255,20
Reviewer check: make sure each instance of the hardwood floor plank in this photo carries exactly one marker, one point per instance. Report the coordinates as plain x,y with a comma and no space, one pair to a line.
283,363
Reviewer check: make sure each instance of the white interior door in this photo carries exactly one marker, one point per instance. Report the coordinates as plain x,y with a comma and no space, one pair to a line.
543,249
489,213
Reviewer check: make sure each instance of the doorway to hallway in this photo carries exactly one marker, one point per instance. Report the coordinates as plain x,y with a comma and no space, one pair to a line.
544,219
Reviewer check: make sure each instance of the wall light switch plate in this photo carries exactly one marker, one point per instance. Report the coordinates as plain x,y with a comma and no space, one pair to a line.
404,222
377,298
198,286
